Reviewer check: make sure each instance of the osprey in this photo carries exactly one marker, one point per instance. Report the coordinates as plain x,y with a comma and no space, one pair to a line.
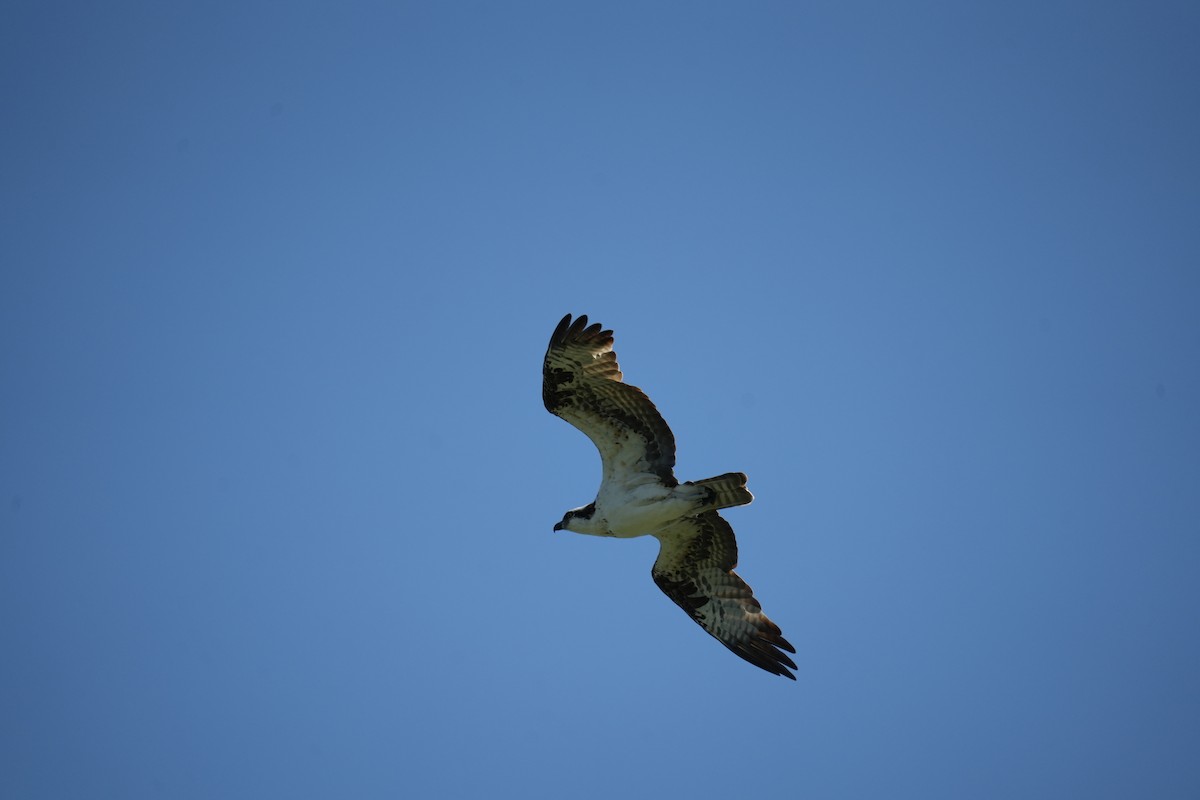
640,496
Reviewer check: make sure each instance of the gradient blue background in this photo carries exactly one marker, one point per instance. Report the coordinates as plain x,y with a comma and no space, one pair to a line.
276,483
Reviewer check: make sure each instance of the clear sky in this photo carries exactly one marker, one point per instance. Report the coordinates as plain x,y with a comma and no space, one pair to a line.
277,486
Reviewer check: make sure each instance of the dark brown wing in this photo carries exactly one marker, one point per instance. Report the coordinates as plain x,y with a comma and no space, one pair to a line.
581,382
695,569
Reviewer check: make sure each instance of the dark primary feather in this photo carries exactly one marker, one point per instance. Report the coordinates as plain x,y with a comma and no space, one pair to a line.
581,382
695,569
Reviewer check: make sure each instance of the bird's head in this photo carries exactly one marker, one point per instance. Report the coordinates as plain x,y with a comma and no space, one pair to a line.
577,519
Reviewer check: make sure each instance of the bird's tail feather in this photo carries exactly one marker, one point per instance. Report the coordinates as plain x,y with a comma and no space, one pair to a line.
728,490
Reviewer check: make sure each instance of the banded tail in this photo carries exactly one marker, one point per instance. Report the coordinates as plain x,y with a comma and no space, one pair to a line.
728,490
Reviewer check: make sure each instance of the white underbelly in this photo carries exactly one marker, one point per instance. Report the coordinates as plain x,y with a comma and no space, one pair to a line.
641,509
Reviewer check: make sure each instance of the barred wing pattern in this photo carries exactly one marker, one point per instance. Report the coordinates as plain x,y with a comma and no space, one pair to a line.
695,569
581,382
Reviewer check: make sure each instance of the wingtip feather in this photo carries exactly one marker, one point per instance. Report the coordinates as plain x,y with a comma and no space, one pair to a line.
560,330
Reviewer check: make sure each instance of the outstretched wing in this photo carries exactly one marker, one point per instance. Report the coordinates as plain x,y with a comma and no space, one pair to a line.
581,382
695,569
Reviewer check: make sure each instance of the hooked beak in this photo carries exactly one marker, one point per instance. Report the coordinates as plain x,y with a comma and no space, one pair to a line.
558,526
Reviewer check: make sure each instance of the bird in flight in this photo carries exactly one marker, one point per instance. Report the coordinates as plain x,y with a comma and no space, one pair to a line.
640,496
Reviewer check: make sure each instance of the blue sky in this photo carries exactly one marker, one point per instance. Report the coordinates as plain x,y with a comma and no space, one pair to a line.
276,484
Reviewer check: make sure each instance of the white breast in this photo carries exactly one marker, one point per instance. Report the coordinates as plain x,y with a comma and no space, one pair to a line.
640,505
